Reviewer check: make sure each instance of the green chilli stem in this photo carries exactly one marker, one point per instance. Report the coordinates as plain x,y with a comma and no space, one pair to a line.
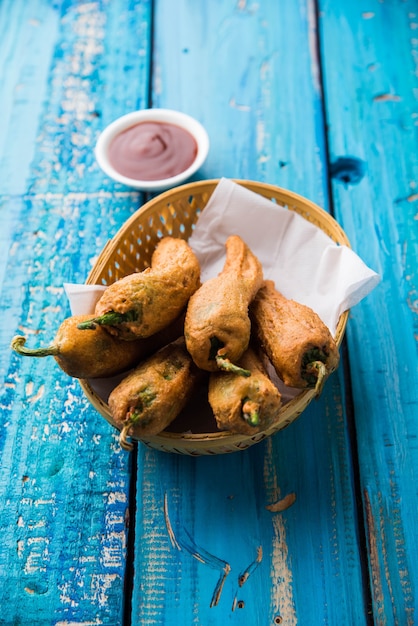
250,412
226,365
216,346
134,417
124,433
321,374
18,345
111,318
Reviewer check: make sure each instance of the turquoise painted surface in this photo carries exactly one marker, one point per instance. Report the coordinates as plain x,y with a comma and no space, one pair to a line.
196,544
235,67
64,493
217,505
256,116
374,119
28,32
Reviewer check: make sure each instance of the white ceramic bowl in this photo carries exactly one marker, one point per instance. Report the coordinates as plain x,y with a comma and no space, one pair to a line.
152,115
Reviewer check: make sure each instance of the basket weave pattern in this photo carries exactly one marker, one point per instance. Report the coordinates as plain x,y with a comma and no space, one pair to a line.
174,213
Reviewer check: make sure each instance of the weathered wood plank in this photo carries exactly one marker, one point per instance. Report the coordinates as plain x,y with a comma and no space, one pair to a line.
309,552
235,68
64,488
28,33
371,87
65,481
250,74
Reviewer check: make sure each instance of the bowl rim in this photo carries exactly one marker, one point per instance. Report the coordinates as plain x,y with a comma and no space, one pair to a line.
171,116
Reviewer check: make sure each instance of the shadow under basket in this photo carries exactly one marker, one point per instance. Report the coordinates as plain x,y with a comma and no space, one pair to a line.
174,213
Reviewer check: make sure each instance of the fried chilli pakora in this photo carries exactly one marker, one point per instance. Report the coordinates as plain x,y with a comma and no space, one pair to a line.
153,394
217,326
143,303
96,353
295,339
93,354
244,405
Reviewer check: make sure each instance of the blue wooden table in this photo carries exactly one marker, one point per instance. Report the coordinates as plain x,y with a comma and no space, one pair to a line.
318,97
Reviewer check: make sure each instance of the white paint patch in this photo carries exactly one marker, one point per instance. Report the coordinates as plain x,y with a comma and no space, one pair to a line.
38,524
54,290
158,82
281,573
38,556
312,37
20,548
113,550
240,107
87,559
100,585
116,496
38,395
67,623
64,427
42,501
69,401
260,135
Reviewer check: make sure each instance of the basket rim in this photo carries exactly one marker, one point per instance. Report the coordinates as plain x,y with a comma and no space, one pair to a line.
190,442
171,194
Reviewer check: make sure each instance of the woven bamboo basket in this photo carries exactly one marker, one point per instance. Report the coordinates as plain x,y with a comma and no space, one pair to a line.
174,213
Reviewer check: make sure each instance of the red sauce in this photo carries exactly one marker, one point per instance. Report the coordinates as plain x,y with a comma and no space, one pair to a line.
152,151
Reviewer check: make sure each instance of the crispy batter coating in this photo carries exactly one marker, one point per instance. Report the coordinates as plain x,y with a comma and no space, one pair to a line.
153,394
244,405
217,322
294,338
150,300
94,353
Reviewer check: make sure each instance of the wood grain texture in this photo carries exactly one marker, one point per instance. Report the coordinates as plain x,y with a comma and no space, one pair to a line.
241,85
207,550
373,118
65,481
227,63
28,32
217,505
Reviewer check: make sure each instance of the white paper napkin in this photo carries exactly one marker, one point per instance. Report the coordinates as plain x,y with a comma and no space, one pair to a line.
305,264
83,298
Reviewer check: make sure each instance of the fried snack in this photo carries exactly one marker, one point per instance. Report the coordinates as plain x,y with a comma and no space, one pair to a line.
143,303
217,327
297,342
96,353
154,393
244,405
